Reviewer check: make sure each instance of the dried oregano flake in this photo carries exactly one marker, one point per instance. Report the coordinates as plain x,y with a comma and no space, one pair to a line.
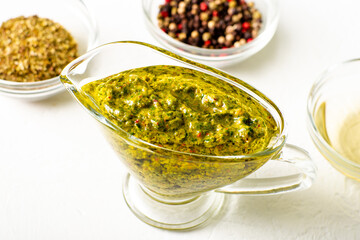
34,49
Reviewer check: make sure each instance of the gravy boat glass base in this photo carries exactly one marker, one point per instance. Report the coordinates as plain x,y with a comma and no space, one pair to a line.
176,214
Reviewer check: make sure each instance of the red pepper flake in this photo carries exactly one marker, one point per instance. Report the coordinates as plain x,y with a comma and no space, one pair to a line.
249,40
155,100
179,26
207,134
137,121
167,1
199,134
164,14
207,43
215,13
246,25
163,29
109,97
203,6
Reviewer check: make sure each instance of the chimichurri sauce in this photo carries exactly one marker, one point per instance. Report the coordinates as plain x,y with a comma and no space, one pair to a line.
184,110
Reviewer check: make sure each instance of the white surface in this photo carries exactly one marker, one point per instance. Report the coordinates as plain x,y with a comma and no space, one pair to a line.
60,180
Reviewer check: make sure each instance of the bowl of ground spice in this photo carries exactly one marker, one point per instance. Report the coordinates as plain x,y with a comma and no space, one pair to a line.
37,40
212,30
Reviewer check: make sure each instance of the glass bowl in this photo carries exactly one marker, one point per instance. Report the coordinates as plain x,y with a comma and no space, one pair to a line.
270,17
173,189
73,16
334,116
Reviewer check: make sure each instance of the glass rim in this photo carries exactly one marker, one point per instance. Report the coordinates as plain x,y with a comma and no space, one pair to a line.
38,83
278,141
311,104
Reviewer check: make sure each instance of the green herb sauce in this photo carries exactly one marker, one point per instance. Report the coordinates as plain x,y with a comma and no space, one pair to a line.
184,110
188,111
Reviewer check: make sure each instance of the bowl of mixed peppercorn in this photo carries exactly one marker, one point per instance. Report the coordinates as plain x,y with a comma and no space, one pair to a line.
37,40
212,30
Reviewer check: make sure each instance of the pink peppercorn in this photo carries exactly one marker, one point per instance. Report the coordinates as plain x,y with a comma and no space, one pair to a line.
164,14
246,25
203,6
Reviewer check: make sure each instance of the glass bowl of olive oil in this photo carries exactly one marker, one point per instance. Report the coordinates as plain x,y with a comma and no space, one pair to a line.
187,133
334,116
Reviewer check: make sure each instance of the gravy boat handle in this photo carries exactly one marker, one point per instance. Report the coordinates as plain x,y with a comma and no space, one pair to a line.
290,154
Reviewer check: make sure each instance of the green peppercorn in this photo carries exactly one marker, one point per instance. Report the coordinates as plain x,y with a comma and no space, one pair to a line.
232,4
194,34
206,36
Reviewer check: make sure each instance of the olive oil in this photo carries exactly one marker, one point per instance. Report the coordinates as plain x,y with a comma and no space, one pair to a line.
343,134
321,123
349,137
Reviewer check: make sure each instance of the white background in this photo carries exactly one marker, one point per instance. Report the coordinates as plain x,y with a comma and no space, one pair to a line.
60,180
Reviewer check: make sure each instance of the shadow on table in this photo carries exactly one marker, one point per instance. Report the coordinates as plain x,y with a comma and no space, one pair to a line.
301,212
62,98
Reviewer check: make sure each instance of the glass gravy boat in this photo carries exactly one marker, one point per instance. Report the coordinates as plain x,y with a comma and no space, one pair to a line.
177,190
